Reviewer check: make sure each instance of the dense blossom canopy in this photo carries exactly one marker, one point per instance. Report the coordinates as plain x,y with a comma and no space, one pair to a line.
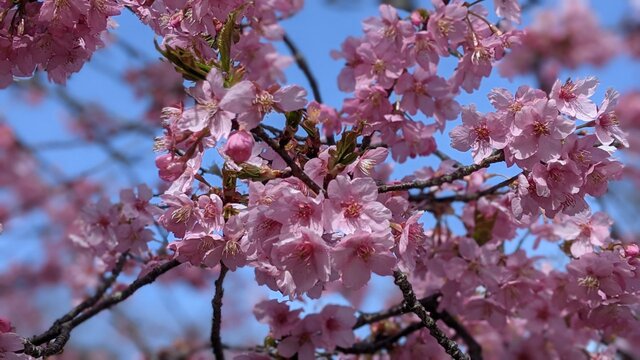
310,204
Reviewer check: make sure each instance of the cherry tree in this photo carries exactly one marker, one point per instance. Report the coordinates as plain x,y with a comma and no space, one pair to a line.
259,176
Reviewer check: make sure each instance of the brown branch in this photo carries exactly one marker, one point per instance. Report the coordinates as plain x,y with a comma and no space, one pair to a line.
60,334
439,180
411,303
474,348
304,66
216,320
87,303
467,197
430,303
52,348
366,347
295,169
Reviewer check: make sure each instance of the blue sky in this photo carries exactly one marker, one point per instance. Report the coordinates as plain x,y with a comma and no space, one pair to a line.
317,30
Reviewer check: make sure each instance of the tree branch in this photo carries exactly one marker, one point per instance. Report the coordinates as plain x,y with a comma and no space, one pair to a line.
87,303
216,320
60,334
295,169
412,304
439,180
466,197
304,66
373,347
430,303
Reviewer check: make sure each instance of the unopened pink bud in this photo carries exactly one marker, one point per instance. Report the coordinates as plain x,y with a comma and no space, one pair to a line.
5,325
239,146
632,250
170,167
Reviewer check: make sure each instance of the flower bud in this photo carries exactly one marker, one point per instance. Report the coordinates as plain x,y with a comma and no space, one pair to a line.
632,250
5,325
170,167
239,146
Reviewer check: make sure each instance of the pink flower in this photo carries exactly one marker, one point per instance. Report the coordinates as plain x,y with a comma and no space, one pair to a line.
447,25
336,327
278,316
347,78
138,207
557,177
584,230
598,177
301,339
416,140
305,256
573,98
296,211
352,206
371,103
5,325
180,215
480,133
420,90
9,344
210,215
595,277
170,166
540,132
133,236
64,13
207,112
369,159
239,146
324,115
377,65
388,30
198,249
583,151
251,103
361,253
512,105
425,50
508,9
606,122
631,250
411,241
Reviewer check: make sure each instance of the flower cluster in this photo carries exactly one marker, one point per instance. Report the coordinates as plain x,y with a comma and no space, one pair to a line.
108,229
330,328
537,133
309,204
557,38
55,36
10,342
401,57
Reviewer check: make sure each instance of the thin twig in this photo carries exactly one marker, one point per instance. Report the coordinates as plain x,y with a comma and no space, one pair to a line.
467,197
60,334
304,66
366,347
412,304
216,320
439,180
295,169
87,303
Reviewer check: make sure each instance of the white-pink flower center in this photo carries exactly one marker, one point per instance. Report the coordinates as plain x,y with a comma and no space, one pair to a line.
567,91
541,128
365,250
182,214
264,101
352,209
304,251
